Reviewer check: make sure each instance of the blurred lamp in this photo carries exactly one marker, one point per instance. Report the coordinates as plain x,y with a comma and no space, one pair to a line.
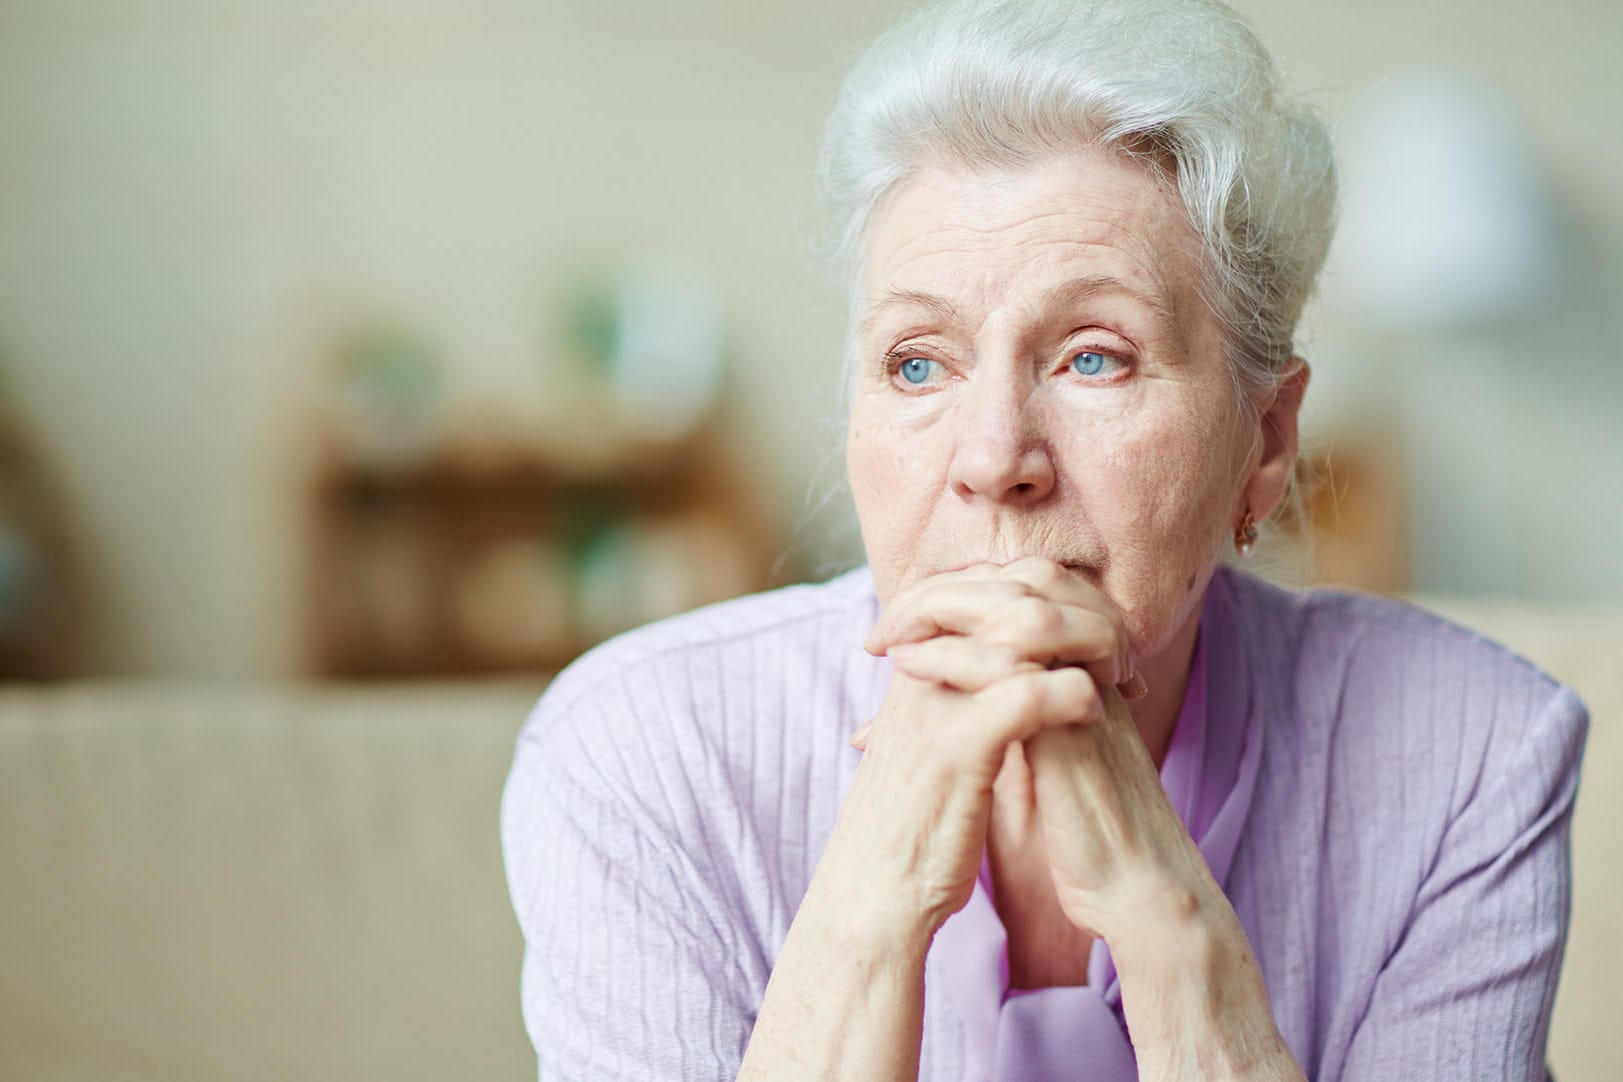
1447,249
1444,222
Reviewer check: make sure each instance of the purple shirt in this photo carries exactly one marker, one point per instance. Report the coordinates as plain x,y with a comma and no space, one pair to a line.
1385,798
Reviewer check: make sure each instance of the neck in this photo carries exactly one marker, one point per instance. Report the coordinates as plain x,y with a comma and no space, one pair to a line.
1167,674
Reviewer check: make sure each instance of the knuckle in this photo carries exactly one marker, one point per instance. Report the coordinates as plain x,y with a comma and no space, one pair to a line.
1036,617
1105,632
1039,570
1012,590
1001,657
1021,695
904,597
1081,695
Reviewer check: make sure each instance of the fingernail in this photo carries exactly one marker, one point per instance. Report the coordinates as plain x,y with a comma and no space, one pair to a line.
859,739
871,643
1134,688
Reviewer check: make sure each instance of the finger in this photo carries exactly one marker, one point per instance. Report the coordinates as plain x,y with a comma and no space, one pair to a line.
1055,580
1068,586
966,663
1026,703
953,605
859,739
1051,634
874,643
1048,577
958,602
1133,688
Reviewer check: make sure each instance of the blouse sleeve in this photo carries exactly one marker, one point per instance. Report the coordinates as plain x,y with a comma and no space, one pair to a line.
1467,991
632,953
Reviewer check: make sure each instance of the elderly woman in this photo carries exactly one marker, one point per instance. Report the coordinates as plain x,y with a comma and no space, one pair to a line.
1046,792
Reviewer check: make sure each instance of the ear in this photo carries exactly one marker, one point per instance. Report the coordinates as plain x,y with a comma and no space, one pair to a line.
1265,487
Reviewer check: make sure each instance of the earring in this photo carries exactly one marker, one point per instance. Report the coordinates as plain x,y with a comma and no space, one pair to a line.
1245,535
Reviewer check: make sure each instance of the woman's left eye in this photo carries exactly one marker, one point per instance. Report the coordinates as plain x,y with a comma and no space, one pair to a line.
1090,363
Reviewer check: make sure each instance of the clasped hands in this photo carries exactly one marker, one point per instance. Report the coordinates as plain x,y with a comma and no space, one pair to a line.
1027,656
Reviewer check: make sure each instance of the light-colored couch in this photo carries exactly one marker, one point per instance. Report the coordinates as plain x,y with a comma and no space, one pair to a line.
305,883
291,884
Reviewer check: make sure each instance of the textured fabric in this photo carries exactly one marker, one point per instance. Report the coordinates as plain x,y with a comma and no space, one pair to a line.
1402,870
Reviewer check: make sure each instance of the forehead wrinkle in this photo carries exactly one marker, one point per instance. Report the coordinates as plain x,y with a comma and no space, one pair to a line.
967,236
966,232
1153,276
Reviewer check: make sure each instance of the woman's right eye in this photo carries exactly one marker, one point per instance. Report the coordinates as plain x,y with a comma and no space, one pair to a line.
917,371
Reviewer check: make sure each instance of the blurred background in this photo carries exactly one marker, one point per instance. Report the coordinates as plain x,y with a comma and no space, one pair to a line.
312,315
427,339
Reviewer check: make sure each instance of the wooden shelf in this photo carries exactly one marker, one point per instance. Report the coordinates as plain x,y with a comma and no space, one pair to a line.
514,564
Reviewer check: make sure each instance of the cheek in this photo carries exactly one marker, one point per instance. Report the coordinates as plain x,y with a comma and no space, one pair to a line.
874,464
892,478
1167,478
1163,499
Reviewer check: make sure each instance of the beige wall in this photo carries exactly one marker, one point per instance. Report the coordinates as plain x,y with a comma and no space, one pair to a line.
195,197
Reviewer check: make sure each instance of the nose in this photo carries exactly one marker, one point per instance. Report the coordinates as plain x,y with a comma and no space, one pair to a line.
1000,452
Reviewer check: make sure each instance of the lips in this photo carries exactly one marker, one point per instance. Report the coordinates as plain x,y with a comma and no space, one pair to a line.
1086,570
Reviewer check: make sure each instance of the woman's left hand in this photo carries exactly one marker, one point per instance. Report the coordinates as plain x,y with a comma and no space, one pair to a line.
1118,855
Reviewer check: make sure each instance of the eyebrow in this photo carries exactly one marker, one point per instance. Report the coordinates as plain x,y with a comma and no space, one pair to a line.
1066,293
909,298
1080,289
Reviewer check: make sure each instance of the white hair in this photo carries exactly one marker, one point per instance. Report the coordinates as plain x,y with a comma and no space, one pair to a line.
1183,86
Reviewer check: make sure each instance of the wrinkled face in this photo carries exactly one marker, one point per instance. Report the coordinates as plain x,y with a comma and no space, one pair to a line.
1035,374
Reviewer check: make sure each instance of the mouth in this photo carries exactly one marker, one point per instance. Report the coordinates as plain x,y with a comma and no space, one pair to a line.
1087,570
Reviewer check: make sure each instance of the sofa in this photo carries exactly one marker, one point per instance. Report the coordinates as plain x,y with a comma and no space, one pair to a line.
201,883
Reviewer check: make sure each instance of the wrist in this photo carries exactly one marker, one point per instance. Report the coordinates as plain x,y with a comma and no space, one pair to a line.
865,915
1167,953
846,995
1194,996
1149,903
864,928
891,873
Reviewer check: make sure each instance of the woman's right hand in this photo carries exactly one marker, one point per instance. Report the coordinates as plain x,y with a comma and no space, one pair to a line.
908,843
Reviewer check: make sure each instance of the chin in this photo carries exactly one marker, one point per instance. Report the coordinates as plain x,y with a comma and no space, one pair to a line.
1154,631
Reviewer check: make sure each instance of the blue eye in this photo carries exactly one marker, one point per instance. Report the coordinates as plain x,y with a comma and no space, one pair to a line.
1088,363
916,370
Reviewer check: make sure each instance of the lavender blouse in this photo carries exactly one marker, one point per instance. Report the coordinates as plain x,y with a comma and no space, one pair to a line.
1385,798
